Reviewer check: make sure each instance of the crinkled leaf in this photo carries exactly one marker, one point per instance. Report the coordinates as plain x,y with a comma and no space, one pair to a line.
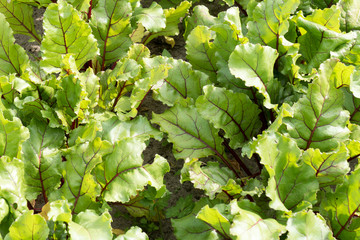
152,18
317,42
351,56
13,58
68,99
232,112
42,159
200,16
110,23
139,128
211,177
269,21
134,233
192,136
122,172
330,168
182,82
60,211
12,135
319,120
342,207
308,225
249,225
215,220
65,33
200,51
254,64
352,104
88,225
19,16
349,18
29,226
354,81
289,183
173,17
80,187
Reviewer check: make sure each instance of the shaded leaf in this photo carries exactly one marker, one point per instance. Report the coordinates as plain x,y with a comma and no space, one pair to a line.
317,42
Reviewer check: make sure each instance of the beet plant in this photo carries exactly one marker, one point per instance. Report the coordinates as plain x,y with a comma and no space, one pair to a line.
264,113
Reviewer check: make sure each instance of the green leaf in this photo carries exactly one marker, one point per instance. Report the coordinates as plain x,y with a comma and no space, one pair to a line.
13,58
330,168
189,227
4,209
182,82
192,136
290,183
323,3
65,33
328,17
19,16
210,177
122,172
232,112
134,233
42,158
60,211
200,16
29,226
152,18
12,186
80,188
200,51
216,220
319,120
254,64
110,23
12,135
352,104
89,225
269,21
173,17
342,206
308,225
349,18
68,99
249,225
317,42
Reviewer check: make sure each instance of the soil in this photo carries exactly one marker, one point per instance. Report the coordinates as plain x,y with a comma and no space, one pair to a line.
172,179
